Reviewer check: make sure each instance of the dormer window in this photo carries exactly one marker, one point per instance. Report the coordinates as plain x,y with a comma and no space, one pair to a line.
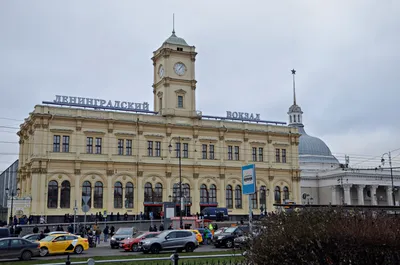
179,49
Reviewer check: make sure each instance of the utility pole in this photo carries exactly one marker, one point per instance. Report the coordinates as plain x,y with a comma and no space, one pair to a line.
75,210
391,173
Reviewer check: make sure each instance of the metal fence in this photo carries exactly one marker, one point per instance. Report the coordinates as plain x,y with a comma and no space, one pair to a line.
174,259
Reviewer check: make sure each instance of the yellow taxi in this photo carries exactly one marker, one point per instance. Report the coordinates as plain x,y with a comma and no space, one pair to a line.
62,243
199,237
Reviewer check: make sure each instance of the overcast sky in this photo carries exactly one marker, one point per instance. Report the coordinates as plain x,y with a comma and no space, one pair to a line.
346,54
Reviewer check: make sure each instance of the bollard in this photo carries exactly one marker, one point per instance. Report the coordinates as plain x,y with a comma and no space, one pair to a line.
176,257
68,262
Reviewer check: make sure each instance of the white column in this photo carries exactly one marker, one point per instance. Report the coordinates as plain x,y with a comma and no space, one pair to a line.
389,195
347,197
360,194
334,191
373,194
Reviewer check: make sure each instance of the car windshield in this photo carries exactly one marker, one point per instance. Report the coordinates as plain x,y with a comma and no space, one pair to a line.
141,235
48,238
125,231
230,230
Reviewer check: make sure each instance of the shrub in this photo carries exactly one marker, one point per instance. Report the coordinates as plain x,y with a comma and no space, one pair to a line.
327,236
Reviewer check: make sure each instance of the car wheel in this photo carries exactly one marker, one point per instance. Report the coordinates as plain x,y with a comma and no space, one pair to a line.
189,247
78,249
229,243
26,255
155,249
135,247
43,252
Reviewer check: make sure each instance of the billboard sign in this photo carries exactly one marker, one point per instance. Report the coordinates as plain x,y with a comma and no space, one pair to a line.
249,179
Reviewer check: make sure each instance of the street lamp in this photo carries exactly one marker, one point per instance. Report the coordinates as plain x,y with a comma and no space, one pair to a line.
12,194
391,173
180,178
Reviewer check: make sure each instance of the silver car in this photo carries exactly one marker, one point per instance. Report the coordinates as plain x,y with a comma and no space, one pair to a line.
170,240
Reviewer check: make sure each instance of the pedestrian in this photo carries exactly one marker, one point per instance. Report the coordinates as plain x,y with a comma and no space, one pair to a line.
35,229
161,227
41,235
46,230
170,227
105,232
112,230
97,234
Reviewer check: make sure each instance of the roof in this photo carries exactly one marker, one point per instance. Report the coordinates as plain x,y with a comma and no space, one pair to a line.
173,39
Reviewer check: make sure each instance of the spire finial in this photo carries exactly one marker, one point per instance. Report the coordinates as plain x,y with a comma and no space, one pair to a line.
294,87
173,23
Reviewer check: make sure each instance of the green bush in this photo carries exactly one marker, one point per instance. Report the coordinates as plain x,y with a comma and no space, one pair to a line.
327,236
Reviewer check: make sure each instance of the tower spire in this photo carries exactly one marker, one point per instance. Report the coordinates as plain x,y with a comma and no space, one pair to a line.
294,86
173,23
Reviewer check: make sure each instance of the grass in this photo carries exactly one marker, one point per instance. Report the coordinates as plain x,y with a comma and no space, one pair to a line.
73,258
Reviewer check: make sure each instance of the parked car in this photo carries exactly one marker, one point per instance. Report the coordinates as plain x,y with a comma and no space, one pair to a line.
199,236
132,244
170,239
59,233
220,230
12,248
4,232
122,234
228,236
58,244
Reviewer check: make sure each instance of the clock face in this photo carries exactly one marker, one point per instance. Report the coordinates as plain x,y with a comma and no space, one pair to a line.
180,68
161,71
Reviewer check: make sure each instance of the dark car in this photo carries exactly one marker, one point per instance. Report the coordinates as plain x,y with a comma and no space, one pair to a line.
227,238
12,248
4,232
122,234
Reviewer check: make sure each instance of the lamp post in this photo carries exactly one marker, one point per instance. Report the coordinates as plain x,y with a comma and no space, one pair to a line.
180,178
391,173
12,194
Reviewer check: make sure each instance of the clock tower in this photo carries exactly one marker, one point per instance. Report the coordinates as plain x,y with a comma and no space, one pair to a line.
174,84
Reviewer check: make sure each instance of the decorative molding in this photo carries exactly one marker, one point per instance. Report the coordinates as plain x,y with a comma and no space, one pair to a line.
94,132
152,135
246,139
61,130
43,170
78,128
77,171
221,138
208,139
31,132
110,130
195,175
180,91
124,134
222,176
294,178
45,126
168,134
168,174
26,137
281,143
110,172
21,141
233,141
140,173
258,142
37,125
159,94
271,178
269,141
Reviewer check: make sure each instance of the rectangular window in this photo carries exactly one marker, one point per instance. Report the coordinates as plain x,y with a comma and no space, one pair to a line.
180,101
178,149
158,149
230,152
150,148
56,143
278,155
260,154
128,147
254,153
98,145
65,144
89,145
204,151
283,155
120,146
237,157
212,151
186,150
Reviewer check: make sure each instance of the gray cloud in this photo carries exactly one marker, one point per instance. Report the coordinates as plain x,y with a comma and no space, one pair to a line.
346,54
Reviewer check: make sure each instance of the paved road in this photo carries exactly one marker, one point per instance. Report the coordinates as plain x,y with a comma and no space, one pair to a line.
105,250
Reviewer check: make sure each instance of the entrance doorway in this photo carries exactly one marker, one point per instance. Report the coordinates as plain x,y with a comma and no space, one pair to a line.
155,209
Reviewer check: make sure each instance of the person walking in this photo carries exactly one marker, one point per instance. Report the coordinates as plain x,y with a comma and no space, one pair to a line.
35,229
97,234
105,232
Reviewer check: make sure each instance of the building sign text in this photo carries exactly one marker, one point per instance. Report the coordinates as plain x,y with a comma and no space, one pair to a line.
242,116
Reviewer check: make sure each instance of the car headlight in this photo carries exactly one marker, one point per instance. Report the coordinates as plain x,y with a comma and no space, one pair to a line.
220,237
113,238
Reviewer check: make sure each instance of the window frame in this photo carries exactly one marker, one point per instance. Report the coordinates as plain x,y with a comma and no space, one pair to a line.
65,143
56,143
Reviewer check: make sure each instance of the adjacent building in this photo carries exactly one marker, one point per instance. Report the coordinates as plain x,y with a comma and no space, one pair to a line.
121,157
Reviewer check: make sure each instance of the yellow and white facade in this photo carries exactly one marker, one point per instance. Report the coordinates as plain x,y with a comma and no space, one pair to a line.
128,161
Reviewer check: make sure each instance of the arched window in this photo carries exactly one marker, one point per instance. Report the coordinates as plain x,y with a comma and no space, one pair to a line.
129,195
285,193
186,190
118,195
238,197
87,191
158,193
175,192
229,197
65,200
98,195
254,202
213,193
263,196
148,192
203,194
277,194
52,194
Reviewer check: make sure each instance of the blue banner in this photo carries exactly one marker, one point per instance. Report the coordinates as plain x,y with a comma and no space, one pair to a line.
249,179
